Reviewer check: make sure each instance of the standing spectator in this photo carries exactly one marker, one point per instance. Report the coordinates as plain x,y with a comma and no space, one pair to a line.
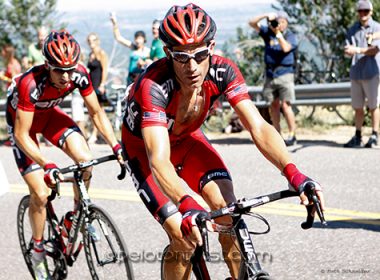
35,50
25,63
12,66
157,48
364,72
279,57
98,68
139,57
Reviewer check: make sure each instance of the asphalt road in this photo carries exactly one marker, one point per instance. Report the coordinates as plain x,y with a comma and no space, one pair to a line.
347,249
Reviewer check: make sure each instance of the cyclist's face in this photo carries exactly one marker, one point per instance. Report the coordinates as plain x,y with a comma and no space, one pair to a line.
191,72
60,78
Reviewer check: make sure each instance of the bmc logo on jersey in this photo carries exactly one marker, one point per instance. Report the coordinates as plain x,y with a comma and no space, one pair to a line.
80,79
218,73
49,103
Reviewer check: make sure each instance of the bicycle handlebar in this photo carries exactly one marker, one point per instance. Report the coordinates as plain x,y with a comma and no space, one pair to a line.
83,165
244,206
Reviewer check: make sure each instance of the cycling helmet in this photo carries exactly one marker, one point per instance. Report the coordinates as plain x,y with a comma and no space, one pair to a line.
61,50
188,24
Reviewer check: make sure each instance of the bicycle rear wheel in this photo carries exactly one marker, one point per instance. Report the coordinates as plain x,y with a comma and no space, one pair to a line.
108,255
55,259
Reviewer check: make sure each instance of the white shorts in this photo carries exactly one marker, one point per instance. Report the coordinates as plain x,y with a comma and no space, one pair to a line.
362,89
77,108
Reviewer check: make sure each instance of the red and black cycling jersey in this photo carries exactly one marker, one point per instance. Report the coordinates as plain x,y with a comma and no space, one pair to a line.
33,91
153,99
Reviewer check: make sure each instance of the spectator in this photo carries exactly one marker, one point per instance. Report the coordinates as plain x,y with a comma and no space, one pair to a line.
25,63
157,48
35,50
139,57
98,68
12,66
279,57
364,72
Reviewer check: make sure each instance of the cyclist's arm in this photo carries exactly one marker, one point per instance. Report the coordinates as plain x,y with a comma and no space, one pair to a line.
100,118
157,145
23,123
265,136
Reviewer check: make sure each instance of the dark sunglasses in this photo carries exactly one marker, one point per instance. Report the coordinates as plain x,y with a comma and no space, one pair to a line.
184,57
363,11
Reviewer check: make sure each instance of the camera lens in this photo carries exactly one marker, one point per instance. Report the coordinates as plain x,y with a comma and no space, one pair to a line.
274,23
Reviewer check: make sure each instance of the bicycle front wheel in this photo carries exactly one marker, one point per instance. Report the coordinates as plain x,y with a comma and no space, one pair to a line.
106,253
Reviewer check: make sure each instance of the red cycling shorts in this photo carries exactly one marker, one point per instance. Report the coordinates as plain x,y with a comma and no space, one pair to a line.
54,124
194,159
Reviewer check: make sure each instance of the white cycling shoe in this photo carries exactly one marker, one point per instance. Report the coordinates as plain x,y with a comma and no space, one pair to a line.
40,267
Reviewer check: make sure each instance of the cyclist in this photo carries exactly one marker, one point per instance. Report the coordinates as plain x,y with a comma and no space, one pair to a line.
32,107
163,142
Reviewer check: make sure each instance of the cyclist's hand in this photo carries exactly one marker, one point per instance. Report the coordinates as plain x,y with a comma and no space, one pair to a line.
52,174
118,152
190,211
298,181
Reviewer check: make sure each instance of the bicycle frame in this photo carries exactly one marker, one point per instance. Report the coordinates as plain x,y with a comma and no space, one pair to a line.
82,212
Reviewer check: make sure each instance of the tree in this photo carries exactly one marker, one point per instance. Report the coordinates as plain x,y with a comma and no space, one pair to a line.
19,20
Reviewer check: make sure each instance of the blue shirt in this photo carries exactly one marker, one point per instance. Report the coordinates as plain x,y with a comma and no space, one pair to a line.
363,67
277,61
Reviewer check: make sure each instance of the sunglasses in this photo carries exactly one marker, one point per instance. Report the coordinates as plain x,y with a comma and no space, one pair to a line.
184,57
363,11
60,70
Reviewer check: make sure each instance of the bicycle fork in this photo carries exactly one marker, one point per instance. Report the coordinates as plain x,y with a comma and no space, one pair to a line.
250,267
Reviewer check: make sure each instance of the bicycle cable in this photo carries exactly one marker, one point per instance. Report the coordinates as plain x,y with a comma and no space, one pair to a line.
261,218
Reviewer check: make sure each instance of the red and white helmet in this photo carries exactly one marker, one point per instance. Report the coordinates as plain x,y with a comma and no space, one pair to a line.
61,50
184,25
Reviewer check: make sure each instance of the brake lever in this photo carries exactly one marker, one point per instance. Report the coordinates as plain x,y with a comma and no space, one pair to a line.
201,223
312,196
57,184
123,172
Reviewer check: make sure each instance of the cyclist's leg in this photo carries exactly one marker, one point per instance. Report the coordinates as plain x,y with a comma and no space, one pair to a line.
204,171
176,263
33,176
66,135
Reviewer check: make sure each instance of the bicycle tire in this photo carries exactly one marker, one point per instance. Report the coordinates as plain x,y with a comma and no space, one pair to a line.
102,259
56,261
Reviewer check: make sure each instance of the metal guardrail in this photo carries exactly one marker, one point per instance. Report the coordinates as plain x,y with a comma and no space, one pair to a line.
306,95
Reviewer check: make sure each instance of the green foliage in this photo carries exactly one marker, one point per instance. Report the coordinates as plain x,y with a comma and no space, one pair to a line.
19,20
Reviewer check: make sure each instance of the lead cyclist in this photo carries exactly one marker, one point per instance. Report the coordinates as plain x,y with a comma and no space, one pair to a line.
163,142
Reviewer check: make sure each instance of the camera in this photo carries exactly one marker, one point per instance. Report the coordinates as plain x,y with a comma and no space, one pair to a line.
273,23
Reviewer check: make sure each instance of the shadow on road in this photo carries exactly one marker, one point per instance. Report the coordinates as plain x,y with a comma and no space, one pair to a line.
367,224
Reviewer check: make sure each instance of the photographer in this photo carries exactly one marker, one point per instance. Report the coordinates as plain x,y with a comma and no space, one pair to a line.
280,46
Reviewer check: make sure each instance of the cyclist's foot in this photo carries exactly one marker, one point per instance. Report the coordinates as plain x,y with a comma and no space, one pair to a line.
290,141
354,142
372,141
92,232
40,266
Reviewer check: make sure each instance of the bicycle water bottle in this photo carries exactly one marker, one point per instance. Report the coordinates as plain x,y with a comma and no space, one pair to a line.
67,222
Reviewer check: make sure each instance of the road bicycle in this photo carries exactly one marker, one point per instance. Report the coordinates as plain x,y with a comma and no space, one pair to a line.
250,267
104,247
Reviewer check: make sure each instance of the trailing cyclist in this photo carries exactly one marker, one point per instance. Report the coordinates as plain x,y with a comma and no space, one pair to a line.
164,144
32,107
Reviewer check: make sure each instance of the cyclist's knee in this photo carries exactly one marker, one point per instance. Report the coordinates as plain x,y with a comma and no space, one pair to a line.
39,199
